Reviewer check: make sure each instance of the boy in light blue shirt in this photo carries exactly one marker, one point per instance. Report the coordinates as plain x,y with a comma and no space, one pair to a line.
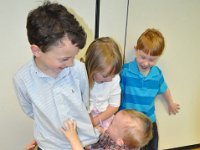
141,81
53,86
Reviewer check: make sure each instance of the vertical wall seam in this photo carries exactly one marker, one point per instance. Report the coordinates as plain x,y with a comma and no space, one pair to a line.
126,26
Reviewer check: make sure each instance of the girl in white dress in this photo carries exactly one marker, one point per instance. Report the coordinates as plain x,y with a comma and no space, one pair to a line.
103,62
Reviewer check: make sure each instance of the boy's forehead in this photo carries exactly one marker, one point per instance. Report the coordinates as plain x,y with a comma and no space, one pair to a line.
144,53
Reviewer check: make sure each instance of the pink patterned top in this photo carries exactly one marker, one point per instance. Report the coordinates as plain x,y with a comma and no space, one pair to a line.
106,143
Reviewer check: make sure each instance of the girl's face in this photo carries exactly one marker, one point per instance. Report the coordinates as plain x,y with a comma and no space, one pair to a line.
104,76
145,61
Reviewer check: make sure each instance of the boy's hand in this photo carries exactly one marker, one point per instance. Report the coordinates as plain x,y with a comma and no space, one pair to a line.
31,146
173,108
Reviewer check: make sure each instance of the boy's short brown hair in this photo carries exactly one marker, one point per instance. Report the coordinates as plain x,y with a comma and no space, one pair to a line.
50,23
151,42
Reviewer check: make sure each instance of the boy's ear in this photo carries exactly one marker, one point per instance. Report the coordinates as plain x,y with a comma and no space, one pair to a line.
120,142
35,50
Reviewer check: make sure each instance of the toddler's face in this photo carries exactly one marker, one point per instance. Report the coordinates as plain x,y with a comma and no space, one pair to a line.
145,61
104,76
58,57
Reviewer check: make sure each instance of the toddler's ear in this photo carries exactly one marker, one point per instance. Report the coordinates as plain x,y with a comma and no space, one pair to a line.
35,50
120,142
134,48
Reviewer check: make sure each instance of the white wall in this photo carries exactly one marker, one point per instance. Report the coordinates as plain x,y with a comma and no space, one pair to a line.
179,22
15,126
113,20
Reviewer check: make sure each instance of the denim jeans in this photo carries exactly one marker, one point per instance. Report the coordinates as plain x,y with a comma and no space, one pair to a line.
153,144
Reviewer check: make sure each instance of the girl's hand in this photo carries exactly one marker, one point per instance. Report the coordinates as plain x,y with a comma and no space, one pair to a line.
95,121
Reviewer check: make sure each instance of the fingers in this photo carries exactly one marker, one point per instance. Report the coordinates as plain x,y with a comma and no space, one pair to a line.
31,146
174,109
69,124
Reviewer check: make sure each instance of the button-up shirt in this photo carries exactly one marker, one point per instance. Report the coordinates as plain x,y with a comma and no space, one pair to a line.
50,101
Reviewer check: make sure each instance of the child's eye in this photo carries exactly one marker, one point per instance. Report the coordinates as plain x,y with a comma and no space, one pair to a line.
64,59
152,60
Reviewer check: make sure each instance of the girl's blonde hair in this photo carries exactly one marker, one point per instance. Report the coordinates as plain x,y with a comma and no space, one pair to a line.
101,53
151,42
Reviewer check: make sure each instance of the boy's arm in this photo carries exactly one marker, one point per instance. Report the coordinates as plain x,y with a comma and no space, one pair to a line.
173,108
31,146
84,85
24,101
69,130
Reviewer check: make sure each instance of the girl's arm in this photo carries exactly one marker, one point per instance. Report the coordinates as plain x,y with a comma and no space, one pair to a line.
173,108
113,101
110,110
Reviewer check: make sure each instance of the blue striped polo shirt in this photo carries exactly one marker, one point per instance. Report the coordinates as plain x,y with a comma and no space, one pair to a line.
139,91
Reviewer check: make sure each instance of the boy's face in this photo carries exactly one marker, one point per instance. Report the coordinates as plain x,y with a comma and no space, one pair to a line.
58,57
145,61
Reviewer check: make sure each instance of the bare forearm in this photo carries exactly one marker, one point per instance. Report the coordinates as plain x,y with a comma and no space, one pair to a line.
76,145
172,106
108,113
168,97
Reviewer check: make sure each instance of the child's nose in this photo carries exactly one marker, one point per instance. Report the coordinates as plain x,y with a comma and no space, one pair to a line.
146,63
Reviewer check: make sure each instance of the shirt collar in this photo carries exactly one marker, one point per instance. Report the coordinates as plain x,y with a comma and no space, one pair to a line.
133,67
39,73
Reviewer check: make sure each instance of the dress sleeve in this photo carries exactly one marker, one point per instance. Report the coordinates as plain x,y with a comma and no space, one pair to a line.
115,92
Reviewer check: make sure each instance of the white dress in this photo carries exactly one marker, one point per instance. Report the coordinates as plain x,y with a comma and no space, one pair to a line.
104,94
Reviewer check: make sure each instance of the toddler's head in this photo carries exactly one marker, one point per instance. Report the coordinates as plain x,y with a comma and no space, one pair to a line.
134,128
103,60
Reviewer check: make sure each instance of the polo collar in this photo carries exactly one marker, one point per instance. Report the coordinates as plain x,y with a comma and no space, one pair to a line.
133,67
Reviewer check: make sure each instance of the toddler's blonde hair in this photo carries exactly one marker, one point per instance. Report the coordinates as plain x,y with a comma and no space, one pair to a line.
138,130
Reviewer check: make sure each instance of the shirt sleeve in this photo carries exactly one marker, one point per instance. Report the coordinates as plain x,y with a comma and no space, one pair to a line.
115,93
84,85
24,101
163,85
122,82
